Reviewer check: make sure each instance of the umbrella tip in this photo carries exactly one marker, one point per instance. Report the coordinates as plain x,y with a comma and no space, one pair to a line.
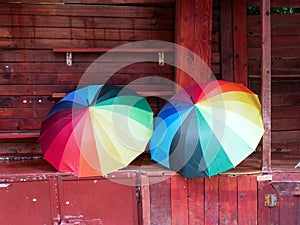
192,99
87,101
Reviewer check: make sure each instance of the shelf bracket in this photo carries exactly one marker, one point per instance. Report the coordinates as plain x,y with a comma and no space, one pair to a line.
69,58
161,58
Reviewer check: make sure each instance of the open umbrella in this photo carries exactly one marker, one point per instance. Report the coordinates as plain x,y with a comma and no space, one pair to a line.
96,130
207,129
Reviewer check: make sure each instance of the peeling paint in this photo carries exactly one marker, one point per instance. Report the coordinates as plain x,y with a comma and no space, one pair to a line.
4,185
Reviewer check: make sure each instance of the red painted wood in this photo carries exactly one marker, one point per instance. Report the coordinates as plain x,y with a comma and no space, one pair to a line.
266,83
30,199
247,199
189,30
160,210
240,42
179,202
228,208
104,201
196,203
264,213
145,200
211,200
226,33
287,209
276,3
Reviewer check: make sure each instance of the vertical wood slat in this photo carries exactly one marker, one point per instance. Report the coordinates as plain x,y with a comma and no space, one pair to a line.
240,42
185,19
266,83
226,40
203,38
145,198
196,200
264,213
211,200
194,32
160,203
227,200
287,209
179,203
247,200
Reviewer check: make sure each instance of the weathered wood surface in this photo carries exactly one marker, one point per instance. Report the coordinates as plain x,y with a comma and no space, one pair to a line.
30,72
285,70
194,25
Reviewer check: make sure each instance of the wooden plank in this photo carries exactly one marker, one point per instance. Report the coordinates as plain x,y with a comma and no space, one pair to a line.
194,32
21,125
211,200
184,36
82,21
276,3
247,200
126,2
24,113
240,42
277,41
145,200
279,88
203,37
264,213
285,136
196,201
286,124
42,90
20,146
86,10
19,135
266,83
226,40
84,34
228,208
276,52
179,202
287,209
160,208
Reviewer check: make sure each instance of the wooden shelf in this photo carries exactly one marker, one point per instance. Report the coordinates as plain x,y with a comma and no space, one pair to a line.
142,93
69,51
101,50
16,135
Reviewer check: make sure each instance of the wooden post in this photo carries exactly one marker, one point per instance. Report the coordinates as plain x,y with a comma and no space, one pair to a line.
266,83
193,31
226,40
240,42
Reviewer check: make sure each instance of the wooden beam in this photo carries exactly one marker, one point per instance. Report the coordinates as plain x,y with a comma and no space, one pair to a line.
240,42
266,83
194,32
226,39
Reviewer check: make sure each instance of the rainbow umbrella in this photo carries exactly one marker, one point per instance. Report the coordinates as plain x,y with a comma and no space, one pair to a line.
96,130
207,129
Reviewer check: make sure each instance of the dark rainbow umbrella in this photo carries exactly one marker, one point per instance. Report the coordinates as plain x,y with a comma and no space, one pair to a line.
207,129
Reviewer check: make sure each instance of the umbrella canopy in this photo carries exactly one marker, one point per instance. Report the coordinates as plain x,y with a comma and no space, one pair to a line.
207,129
96,130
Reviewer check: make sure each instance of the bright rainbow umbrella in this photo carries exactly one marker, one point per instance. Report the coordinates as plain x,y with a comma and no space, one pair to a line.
96,130
207,129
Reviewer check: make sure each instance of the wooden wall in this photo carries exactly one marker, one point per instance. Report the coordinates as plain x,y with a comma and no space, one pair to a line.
30,72
222,199
285,41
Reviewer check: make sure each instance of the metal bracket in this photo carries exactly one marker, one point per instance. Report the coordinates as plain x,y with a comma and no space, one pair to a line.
270,200
69,58
161,58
